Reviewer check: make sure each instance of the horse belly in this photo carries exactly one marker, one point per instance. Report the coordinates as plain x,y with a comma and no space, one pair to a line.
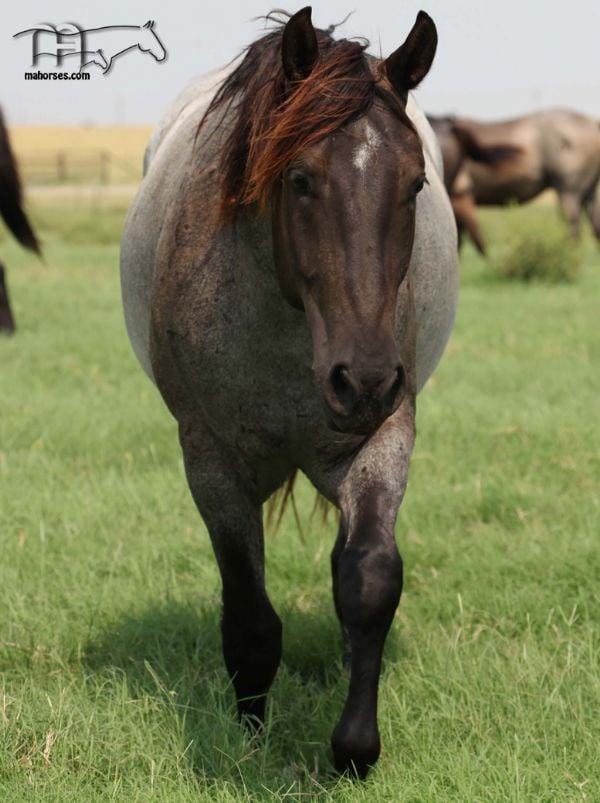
510,181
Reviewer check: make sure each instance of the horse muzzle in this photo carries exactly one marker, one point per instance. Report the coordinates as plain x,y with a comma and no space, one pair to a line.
358,401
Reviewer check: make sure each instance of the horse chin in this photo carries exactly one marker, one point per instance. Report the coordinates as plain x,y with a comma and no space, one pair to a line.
354,425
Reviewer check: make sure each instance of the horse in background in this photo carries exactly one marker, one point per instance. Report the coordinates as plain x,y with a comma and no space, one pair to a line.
557,149
457,147
13,214
289,280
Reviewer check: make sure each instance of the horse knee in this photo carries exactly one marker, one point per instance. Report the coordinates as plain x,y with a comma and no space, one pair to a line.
370,585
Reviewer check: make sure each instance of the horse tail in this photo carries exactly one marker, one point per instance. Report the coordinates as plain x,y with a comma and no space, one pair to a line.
279,501
11,195
485,154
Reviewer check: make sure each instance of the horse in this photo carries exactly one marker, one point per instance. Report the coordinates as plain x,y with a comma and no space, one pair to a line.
458,146
289,281
556,149
13,214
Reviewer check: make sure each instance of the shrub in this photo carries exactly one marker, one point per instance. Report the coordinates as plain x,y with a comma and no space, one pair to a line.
540,249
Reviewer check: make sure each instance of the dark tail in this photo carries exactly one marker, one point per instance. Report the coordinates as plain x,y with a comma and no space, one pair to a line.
11,195
486,154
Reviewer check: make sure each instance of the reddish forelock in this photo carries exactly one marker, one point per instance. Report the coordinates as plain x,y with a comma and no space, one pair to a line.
272,121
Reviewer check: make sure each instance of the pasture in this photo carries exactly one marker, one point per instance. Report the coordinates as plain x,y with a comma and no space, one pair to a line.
113,686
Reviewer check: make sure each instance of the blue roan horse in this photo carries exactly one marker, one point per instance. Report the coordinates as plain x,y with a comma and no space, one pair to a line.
289,278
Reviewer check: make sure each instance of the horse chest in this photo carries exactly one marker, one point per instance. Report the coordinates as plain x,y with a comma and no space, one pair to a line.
247,359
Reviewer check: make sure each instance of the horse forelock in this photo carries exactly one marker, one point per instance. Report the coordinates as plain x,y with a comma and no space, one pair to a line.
274,120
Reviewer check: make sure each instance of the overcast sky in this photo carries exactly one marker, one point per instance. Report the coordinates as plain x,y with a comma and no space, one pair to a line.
495,59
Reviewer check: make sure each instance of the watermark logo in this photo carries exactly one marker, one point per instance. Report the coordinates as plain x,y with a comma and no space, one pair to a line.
69,43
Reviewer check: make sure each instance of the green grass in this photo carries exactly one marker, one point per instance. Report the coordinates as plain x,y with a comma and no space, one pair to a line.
113,686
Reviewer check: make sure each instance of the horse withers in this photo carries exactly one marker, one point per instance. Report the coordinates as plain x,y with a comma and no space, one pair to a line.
13,214
289,278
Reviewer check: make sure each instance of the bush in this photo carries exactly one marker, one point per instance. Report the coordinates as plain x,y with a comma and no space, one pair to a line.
538,249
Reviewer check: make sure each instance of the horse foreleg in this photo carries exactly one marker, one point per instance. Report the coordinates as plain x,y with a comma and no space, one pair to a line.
368,580
570,204
592,209
465,212
336,554
7,322
250,628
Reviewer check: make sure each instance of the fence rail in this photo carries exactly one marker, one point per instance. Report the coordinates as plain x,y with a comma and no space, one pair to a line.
76,166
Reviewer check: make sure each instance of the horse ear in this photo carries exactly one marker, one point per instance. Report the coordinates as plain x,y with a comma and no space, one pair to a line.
408,65
299,47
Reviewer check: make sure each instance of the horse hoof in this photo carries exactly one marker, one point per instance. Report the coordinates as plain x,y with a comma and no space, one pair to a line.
354,753
251,711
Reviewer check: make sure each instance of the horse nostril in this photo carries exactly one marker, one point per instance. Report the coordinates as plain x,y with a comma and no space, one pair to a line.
395,388
342,386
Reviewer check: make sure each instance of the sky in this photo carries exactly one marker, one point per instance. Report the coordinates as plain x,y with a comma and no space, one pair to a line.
495,60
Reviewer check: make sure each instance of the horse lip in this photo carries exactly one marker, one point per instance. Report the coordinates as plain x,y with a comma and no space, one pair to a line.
350,425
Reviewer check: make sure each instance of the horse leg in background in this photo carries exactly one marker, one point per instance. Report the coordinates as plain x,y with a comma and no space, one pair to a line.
465,213
368,579
250,628
570,204
592,210
7,322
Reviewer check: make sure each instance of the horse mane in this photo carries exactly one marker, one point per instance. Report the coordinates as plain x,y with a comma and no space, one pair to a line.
11,195
276,119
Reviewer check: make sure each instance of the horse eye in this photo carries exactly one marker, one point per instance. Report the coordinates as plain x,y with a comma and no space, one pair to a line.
419,184
300,182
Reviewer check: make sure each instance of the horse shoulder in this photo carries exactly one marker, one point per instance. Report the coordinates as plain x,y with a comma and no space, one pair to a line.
166,163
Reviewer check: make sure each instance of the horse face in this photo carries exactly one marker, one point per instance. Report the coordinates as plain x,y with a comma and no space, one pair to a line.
343,230
150,43
343,234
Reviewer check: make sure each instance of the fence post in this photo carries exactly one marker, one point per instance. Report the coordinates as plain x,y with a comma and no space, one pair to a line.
61,165
104,162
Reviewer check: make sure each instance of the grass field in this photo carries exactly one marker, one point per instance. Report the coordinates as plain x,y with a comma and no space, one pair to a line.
113,686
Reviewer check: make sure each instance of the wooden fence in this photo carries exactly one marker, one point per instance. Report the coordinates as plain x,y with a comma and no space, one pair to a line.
76,166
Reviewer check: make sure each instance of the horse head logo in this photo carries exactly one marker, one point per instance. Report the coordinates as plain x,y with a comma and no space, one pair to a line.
150,43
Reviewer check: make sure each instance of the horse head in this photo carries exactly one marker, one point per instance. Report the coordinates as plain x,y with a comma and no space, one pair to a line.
343,220
150,43
322,141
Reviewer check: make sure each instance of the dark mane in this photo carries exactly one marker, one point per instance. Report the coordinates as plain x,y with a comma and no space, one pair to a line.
11,200
276,119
